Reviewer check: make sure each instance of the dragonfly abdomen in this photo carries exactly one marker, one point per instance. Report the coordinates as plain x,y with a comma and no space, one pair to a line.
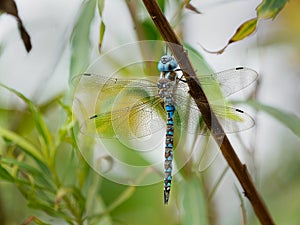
168,152
166,89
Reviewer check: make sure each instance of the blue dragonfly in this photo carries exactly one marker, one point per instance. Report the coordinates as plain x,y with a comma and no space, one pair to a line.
142,107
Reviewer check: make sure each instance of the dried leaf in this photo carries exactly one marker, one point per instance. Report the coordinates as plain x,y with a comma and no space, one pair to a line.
218,52
268,9
189,6
10,7
245,30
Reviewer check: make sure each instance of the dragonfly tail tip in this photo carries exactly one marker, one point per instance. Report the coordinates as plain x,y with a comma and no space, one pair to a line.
166,197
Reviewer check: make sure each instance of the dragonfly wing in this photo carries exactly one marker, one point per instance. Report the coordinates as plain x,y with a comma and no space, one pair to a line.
187,117
141,119
232,119
232,80
106,84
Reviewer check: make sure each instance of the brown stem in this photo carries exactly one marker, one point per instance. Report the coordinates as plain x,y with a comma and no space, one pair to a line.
198,95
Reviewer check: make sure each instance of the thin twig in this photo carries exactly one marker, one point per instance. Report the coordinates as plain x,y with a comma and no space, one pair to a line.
198,95
242,205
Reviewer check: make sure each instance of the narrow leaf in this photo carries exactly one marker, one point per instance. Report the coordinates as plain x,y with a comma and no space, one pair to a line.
28,147
162,5
39,121
10,7
40,177
5,175
46,207
81,44
269,9
242,205
149,30
194,203
101,4
189,6
102,24
67,126
101,35
123,197
289,120
245,30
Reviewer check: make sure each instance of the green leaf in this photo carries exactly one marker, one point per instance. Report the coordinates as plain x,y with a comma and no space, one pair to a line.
149,30
269,9
81,44
80,199
47,208
5,175
218,182
289,120
27,146
201,67
102,24
101,7
67,126
198,61
39,121
194,203
162,5
101,35
40,177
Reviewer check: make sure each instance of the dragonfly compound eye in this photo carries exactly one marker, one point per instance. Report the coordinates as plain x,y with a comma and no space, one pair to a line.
167,63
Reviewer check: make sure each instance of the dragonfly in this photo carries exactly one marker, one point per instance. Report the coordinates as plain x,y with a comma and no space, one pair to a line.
143,106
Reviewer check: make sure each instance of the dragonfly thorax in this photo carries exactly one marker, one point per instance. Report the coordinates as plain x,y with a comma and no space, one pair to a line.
168,78
166,89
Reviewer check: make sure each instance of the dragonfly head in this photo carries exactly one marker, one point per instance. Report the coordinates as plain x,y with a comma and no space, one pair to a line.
167,63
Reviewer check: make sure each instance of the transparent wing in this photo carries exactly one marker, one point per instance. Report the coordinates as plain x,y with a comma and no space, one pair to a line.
112,84
232,80
127,108
232,119
144,118
134,113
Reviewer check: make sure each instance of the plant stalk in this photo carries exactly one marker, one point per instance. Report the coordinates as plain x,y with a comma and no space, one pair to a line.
200,98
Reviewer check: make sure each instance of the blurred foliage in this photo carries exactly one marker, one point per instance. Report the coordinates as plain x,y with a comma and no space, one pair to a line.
81,44
287,31
289,120
45,179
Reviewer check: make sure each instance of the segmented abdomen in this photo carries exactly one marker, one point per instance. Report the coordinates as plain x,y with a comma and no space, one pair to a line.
168,151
